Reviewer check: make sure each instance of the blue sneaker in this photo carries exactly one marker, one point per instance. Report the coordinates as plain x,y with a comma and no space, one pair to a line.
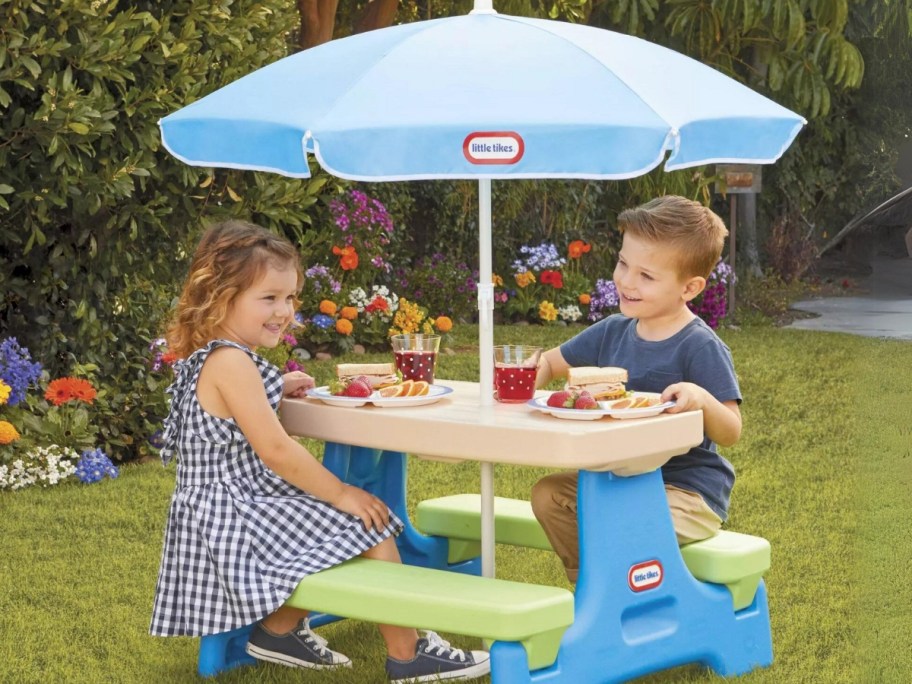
301,647
435,660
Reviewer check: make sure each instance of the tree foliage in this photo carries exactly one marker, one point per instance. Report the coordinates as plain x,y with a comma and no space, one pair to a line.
95,217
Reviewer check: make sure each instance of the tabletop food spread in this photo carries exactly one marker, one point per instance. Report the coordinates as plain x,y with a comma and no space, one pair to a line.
434,393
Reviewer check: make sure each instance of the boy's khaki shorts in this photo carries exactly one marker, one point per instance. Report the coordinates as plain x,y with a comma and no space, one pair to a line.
554,504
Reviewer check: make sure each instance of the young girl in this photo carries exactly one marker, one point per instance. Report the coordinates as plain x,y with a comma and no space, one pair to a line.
253,512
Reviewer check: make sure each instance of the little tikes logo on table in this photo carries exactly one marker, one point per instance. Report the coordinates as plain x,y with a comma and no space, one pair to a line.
493,147
646,575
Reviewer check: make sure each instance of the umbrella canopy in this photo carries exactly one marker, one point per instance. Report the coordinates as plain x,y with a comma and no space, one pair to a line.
481,96
543,99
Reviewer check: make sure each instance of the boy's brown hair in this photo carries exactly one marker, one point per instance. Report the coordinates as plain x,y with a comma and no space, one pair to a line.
694,231
231,256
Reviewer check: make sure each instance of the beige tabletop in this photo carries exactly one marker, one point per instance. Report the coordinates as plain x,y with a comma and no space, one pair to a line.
458,427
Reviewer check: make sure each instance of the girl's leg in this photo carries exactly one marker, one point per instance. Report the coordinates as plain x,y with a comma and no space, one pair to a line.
430,657
283,620
400,641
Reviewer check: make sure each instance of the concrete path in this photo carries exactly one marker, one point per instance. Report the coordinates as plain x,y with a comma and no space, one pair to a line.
885,310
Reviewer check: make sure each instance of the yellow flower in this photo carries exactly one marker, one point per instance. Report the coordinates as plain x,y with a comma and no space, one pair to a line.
8,433
497,280
444,324
525,279
408,318
4,392
328,307
546,311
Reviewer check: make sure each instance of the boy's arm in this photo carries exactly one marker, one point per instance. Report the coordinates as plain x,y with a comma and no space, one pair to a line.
721,420
551,366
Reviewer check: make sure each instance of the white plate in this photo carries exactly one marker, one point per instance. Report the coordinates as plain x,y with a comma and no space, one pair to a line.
541,404
435,393
644,412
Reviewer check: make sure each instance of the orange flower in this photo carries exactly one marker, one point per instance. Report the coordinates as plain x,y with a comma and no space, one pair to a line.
585,298
344,326
444,324
577,248
349,312
327,307
8,433
348,257
496,280
169,358
62,390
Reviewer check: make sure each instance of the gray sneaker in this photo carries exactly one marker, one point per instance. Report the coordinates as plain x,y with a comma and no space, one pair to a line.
301,647
435,660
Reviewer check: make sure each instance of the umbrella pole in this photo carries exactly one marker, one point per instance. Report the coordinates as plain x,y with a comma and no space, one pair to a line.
486,374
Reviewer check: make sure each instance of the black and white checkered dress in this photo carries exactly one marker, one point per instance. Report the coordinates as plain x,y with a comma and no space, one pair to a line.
239,537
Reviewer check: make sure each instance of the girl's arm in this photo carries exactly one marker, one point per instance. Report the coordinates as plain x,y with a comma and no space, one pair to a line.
230,386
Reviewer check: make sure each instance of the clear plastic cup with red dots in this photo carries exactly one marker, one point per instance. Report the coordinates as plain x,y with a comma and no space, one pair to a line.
515,367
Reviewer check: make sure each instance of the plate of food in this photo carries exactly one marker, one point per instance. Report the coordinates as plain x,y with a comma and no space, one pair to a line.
568,405
357,392
636,405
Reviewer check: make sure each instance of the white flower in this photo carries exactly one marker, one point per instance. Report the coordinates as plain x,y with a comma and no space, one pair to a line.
570,313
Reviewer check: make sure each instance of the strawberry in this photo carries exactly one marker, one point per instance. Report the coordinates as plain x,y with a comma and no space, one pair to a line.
585,401
559,399
359,387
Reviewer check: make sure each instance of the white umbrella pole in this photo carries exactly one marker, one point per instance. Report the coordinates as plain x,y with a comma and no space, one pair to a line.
486,356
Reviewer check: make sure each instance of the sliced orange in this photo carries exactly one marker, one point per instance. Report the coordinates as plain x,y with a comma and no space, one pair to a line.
405,387
623,404
390,391
419,388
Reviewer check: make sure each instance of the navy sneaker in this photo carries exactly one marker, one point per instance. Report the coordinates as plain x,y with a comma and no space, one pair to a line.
301,647
435,660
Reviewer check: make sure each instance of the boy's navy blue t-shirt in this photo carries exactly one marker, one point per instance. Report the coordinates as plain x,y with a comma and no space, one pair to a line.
694,354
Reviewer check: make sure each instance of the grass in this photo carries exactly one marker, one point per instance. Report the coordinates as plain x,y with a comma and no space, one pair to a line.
824,472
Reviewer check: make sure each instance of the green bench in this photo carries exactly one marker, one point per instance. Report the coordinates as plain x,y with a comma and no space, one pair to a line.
735,560
494,609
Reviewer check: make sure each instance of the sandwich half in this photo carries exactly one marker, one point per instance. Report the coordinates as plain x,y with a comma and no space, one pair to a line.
602,383
379,374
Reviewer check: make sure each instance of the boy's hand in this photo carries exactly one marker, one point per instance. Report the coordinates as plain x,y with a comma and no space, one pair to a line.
296,384
687,397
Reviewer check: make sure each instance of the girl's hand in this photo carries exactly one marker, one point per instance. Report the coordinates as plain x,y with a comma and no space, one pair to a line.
372,511
296,384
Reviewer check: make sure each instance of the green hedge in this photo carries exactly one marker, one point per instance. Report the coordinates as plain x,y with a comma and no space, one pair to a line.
96,218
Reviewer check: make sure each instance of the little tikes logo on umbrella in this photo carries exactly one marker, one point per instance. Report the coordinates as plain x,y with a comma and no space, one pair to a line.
493,147
643,576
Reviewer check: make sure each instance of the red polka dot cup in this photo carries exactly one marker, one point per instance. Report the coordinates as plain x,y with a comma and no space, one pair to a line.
416,356
515,367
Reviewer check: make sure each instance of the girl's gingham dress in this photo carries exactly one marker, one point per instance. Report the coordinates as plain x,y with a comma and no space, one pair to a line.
238,538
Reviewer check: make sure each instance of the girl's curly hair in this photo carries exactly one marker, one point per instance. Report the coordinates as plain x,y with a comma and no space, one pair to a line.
230,257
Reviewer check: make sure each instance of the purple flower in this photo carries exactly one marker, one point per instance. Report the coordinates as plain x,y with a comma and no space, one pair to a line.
17,369
604,297
544,256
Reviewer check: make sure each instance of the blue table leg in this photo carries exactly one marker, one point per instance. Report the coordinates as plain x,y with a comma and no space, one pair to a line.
638,608
383,473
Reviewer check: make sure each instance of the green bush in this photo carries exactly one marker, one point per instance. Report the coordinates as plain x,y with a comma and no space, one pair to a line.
96,218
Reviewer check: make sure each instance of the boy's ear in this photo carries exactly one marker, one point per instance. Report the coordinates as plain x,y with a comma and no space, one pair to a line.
693,287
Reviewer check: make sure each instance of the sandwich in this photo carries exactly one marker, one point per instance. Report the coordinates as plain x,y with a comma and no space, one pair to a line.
601,383
378,374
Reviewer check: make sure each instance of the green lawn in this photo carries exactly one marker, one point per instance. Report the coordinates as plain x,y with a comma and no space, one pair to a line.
824,473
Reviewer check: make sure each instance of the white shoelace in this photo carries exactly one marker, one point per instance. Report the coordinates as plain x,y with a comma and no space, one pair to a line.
435,641
310,635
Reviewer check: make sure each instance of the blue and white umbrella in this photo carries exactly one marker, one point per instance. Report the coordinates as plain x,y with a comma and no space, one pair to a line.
484,96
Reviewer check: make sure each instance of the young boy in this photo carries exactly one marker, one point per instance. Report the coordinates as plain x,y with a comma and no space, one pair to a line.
670,246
